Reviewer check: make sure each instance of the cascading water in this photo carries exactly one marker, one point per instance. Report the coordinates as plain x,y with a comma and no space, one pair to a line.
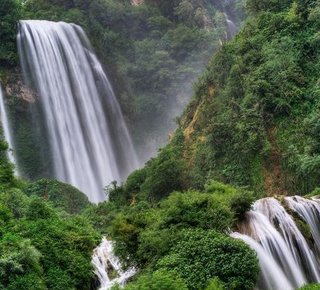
7,131
88,136
107,266
287,260
231,27
309,211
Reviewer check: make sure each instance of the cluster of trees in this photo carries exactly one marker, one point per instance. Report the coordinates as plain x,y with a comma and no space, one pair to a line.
253,120
181,241
9,16
44,242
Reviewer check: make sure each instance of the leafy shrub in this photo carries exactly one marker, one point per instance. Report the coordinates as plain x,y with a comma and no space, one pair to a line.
19,263
215,284
38,210
158,280
237,199
202,255
134,181
16,201
65,246
195,209
27,281
165,174
255,6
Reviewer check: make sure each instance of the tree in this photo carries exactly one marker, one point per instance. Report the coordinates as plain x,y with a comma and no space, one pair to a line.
9,16
201,255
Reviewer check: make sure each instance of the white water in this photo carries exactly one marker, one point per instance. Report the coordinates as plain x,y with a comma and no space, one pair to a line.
309,211
88,136
105,262
272,276
231,27
7,131
286,259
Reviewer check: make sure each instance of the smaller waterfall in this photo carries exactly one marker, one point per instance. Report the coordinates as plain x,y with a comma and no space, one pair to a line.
232,28
108,268
287,260
7,130
309,211
272,275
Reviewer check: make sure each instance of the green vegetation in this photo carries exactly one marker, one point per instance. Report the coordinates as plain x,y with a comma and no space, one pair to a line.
60,194
202,255
159,280
253,119
46,245
42,247
310,287
157,236
9,15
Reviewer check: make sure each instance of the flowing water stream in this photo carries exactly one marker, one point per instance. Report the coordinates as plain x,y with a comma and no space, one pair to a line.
231,27
287,259
88,136
107,266
7,132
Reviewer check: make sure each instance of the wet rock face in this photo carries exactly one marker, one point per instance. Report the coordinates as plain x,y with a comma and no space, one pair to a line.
15,87
31,144
137,2
21,90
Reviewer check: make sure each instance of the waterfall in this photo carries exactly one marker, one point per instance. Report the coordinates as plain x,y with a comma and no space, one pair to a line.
107,266
7,131
287,260
309,211
272,276
88,136
231,27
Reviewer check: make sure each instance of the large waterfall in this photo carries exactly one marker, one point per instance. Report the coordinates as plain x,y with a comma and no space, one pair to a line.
89,139
285,236
7,131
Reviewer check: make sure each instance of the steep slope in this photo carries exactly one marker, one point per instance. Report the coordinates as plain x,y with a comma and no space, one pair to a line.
253,120
255,109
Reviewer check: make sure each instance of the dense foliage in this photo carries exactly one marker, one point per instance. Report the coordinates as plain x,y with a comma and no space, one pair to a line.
61,195
151,235
9,15
253,119
202,255
42,247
